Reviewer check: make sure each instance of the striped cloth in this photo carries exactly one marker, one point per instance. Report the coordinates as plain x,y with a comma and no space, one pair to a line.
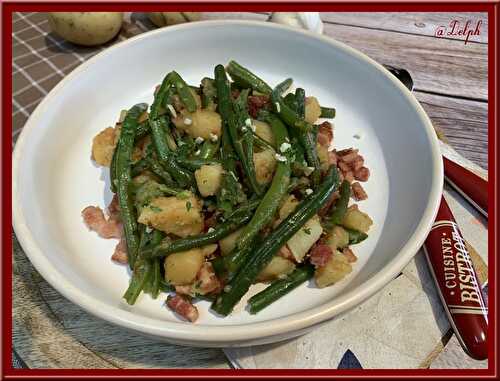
40,59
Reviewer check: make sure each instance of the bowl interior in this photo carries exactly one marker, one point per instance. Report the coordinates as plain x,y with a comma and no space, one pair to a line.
54,177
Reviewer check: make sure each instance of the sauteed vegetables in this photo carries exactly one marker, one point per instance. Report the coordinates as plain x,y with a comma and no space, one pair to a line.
225,184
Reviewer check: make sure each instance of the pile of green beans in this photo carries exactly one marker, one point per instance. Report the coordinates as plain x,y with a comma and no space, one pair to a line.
171,156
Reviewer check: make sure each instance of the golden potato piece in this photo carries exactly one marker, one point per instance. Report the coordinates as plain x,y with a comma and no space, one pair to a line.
201,123
335,270
181,217
275,269
208,179
264,131
103,146
181,268
312,110
265,164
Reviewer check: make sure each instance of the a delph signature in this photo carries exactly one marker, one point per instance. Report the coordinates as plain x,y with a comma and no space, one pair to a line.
455,28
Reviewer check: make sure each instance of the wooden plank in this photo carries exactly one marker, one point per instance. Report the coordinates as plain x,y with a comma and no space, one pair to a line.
440,66
51,332
421,23
464,122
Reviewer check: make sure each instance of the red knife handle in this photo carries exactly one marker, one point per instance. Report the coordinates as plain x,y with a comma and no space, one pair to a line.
457,282
473,187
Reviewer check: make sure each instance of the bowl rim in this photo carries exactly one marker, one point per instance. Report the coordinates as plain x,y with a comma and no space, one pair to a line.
223,334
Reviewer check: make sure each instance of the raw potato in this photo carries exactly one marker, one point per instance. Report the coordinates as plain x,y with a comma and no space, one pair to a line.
86,28
181,217
264,131
103,147
278,267
161,19
338,239
357,220
312,110
305,238
227,244
335,270
208,179
265,164
201,123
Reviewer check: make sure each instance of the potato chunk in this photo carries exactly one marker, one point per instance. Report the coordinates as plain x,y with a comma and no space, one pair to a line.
338,239
286,208
201,123
208,179
357,220
181,217
265,164
227,244
103,147
323,157
181,268
278,267
305,238
335,270
264,131
312,110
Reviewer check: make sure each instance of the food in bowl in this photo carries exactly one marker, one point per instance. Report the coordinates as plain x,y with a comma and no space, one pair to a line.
227,184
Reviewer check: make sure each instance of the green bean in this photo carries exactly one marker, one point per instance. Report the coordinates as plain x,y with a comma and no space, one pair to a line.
209,94
209,149
291,101
279,288
183,177
308,140
356,236
284,86
288,115
270,202
113,181
138,167
159,171
336,215
139,279
184,92
262,143
246,78
247,274
230,123
156,239
159,98
142,130
195,163
328,112
190,242
123,173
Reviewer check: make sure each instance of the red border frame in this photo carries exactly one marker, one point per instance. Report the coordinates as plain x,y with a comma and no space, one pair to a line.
6,370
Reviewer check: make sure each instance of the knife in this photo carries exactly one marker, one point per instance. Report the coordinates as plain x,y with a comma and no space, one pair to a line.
449,259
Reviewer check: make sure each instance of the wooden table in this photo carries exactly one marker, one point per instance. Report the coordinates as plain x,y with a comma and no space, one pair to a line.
450,82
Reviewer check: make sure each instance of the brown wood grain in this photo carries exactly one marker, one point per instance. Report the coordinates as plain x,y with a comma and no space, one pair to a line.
442,66
420,23
51,332
464,123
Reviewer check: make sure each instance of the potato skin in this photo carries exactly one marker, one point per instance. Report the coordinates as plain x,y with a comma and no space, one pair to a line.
103,146
203,123
335,270
265,164
312,110
86,28
171,215
161,19
208,179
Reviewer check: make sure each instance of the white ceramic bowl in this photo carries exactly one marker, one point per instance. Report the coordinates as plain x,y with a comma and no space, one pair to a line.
54,177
